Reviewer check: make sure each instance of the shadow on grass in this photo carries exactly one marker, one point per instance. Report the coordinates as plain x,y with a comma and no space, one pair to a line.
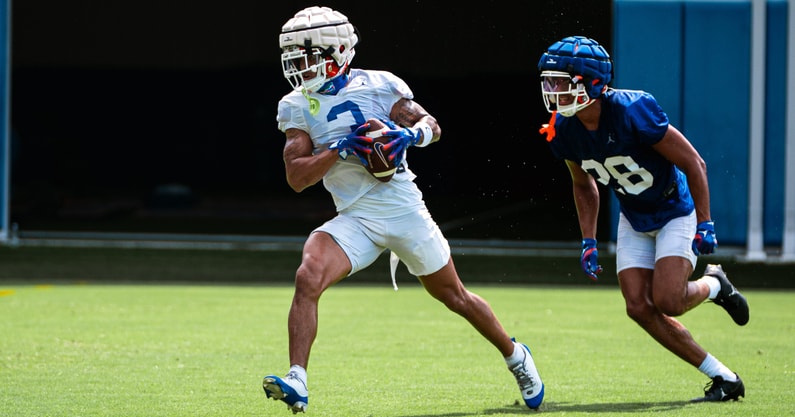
613,407
553,407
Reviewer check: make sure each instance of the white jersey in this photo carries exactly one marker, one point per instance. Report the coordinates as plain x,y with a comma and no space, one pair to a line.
369,94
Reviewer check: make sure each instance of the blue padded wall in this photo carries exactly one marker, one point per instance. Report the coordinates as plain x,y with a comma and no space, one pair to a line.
5,139
694,57
716,94
775,121
645,59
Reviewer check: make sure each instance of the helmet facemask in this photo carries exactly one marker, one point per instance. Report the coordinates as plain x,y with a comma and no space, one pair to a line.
563,93
575,71
307,71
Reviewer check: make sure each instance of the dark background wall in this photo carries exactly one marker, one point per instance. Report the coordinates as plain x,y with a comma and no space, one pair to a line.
159,116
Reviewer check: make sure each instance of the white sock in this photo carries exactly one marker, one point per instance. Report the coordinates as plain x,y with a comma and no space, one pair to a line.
713,284
517,355
712,367
300,372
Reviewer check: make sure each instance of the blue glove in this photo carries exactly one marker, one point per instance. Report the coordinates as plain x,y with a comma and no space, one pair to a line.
402,138
589,260
705,240
356,143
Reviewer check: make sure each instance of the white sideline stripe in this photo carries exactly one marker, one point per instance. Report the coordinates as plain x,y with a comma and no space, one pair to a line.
264,243
490,247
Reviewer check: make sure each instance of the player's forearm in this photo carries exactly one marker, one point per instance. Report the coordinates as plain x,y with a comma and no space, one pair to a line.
696,172
309,170
586,199
700,191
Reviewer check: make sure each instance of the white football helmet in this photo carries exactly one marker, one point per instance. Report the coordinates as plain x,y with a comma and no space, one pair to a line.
317,47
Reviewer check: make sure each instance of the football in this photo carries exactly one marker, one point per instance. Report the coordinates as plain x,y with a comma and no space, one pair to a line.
378,163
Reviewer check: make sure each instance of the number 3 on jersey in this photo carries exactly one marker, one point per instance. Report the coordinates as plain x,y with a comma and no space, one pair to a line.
631,178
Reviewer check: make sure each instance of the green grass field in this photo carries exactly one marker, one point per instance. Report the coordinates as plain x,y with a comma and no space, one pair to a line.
72,349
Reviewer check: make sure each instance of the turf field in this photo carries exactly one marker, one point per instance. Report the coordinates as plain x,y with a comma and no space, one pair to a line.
142,339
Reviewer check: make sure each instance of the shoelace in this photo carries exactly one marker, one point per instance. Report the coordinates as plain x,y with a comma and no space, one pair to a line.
708,387
294,376
522,376
712,389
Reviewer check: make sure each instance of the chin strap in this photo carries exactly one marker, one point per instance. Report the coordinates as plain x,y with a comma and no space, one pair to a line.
314,104
549,128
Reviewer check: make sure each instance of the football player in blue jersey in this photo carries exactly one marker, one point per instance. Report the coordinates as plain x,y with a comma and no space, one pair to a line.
324,119
623,140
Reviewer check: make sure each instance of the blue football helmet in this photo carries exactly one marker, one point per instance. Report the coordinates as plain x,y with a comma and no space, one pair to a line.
574,72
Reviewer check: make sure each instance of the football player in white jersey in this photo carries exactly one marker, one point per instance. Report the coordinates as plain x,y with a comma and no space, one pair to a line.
324,119
623,140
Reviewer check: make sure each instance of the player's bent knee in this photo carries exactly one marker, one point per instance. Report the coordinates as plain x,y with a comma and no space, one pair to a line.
308,283
455,302
641,312
671,308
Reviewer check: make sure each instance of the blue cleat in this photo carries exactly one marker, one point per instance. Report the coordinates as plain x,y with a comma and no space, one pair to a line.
529,381
289,389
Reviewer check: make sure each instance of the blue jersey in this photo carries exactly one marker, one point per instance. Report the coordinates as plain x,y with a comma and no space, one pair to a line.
650,189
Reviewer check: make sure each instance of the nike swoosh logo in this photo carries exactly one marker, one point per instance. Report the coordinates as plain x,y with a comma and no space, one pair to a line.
379,151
